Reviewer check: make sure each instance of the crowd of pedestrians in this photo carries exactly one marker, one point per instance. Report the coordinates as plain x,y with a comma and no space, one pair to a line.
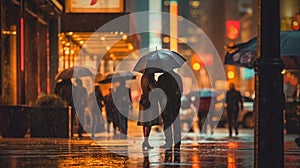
160,104
116,109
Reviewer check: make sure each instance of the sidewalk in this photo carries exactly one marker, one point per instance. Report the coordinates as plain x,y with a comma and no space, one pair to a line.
197,150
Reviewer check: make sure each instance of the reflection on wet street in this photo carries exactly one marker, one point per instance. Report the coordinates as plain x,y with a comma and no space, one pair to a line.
69,153
216,151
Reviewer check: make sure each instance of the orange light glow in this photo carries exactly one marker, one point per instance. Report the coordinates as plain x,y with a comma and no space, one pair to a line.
22,44
48,63
173,25
232,29
231,159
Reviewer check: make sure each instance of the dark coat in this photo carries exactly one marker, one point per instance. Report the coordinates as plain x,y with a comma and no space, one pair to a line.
171,84
233,101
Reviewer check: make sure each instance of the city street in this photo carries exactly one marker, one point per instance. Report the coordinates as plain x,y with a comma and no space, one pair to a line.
217,150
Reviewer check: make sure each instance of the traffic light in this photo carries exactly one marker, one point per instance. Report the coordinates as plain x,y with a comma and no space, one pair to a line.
196,62
295,25
232,29
295,22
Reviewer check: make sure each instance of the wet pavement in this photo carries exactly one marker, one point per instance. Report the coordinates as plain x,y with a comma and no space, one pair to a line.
197,150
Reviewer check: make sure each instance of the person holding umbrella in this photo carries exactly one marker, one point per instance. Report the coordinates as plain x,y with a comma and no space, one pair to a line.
164,60
63,88
171,83
148,110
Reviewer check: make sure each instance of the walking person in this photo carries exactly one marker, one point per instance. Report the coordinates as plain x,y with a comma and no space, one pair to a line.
64,90
171,83
80,103
96,103
123,106
148,108
204,107
233,104
111,113
186,111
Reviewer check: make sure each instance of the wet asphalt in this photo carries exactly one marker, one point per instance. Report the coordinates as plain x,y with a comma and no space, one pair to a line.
197,150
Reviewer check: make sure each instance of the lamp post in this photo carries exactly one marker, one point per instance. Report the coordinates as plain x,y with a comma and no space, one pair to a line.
269,89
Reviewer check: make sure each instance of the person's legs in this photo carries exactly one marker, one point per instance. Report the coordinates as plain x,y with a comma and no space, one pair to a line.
210,123
72,122
123,126
93,125
146,132
80,123
236,124
108,126
230,123
199,121
80,130
115,128
168,134
203,123
190,125
177,132
125,123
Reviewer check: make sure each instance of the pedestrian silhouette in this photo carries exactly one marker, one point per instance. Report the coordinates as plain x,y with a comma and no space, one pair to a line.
111,112
80,103
233,104
204,114
186,111
96,102
122,99
148,110
63,89
171,83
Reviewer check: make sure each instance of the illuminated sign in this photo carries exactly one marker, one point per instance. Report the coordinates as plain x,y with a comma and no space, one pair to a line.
232,29
94,6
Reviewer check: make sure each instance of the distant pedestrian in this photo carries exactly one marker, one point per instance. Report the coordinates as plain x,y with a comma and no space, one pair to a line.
233,103
111,112
123,105
148,108
63,89
186,110
96,102
204,119
80,97
171,83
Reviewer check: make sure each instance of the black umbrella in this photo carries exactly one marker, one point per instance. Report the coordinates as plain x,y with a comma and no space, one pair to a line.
117,77
74,72
159,61
244,54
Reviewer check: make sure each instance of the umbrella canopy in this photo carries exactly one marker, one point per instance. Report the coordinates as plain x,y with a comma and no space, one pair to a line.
74,72
117,77
159,61
244,54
